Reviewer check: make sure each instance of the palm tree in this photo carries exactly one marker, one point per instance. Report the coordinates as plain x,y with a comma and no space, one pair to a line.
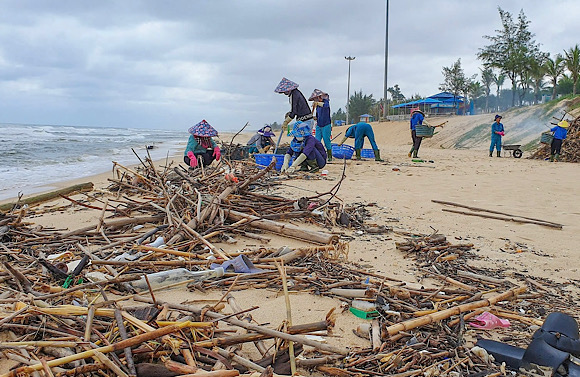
573,64
537,74
488,79
499,80
554,69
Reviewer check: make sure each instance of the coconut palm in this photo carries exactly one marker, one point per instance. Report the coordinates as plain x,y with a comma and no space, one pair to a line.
499,80
572,62
554,69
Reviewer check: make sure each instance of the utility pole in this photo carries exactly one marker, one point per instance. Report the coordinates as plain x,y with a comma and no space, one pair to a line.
349,58
385,112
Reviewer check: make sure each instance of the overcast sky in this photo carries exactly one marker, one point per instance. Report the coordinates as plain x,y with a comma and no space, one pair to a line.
167,64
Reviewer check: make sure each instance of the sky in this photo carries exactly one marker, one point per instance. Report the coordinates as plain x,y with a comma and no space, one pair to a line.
169,64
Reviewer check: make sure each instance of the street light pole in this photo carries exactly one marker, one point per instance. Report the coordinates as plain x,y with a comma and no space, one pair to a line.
349,58
386,62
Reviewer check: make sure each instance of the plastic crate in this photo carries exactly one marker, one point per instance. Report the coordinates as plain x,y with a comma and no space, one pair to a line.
424,131
264,159
546,138
367,153
342,151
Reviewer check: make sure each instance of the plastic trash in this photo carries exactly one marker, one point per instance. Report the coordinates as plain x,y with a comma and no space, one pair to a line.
240,264
365,306
177,275
488,321
159,242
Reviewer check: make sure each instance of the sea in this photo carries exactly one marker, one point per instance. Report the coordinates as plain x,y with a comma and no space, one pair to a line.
33,157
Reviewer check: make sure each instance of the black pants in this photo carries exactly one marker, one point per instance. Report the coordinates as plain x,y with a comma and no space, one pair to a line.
206,158
556,146
416,140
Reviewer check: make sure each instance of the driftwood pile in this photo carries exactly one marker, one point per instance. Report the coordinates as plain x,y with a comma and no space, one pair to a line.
70,320
570,146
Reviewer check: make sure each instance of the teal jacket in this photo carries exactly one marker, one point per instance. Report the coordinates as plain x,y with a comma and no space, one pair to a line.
195,147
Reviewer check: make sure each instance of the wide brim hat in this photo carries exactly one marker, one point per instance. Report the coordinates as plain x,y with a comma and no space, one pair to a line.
318,94
285,85
564,124
417,110
300,129
262,131
203,129
497,116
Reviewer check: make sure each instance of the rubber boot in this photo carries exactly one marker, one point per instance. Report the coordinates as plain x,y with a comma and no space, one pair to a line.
551,158
411,152
556,157
415,154
490,153
377,155
357,152
498,153
329,155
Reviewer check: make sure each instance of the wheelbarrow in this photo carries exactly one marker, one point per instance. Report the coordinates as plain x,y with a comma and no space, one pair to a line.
514,150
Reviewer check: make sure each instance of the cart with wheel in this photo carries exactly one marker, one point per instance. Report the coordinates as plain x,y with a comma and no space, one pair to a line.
514,150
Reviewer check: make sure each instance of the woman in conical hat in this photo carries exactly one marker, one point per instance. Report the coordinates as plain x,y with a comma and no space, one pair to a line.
323,121
308,153
262,141
201,149
560,133
417,118
299,108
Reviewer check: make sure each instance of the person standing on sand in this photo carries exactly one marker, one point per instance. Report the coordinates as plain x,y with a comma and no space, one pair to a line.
497,132
359,131
560,133
299,108
201,149
323,122
417,118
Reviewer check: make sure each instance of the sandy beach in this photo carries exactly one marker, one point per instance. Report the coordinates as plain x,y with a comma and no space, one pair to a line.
401,194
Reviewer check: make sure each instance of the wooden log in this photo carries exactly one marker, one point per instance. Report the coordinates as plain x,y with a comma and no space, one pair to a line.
82,187
284,229
479,277
444,314
115,223
256,328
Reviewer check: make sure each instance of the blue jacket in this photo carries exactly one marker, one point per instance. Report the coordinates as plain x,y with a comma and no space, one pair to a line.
496,127
195,147
559,132
416,119
323,114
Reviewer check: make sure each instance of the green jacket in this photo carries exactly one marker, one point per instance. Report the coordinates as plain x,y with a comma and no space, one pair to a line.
195,147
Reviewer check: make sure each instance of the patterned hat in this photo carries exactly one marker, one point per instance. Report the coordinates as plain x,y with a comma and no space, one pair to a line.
301,129
285,85
317,93
203,129
266,131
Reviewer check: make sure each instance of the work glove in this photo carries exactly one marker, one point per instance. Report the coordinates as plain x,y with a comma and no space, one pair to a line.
192,160
286,163
217,153
299,160
286,121
319,104
501,133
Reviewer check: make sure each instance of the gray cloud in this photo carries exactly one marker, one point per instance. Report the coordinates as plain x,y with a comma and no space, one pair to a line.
167,64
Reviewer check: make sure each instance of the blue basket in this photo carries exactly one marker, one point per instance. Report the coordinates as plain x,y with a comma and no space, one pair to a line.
342,151
367,153
264,159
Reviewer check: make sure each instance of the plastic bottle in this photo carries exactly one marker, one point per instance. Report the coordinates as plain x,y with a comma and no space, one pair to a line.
365,306
169,277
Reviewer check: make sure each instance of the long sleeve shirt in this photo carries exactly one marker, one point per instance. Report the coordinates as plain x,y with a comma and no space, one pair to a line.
300,109
323,114
496,127
560,133
416,119
195,147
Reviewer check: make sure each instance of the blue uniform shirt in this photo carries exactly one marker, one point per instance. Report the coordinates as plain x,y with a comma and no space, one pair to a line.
416,119
496,127
559,132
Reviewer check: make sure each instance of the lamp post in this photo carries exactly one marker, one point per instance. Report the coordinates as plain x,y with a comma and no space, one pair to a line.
386,62
349,58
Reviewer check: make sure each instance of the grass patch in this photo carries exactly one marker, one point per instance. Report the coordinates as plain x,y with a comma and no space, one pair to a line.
476,133
531,146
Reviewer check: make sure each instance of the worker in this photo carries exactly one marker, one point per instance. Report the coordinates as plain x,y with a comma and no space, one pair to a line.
299,108
323,123
560,133
497,132
417,118
359,131
262,141
308,152
201,149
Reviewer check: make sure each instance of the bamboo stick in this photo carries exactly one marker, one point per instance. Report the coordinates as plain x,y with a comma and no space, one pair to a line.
280,267
88,186
444,314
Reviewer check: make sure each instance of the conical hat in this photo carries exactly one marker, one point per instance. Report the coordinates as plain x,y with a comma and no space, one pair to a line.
285,85
317,93
203,129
